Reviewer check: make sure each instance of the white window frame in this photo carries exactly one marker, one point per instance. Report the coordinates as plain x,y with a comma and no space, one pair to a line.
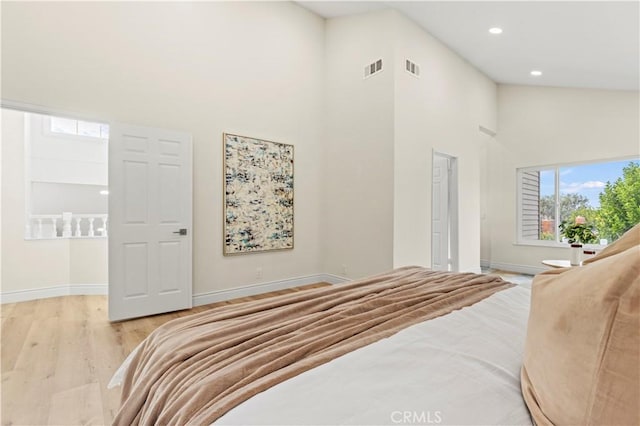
46,130
556,167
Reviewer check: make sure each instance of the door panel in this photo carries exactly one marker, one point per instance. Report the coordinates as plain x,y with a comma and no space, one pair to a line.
135,190
440,214
133,143
150,200
169,148
170,255
169,179
135,269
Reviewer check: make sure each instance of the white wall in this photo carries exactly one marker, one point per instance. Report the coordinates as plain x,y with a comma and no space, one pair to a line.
1,195
381,133
357,214
88,261
544,126
439,111
254,69
57,158
55,198
25,264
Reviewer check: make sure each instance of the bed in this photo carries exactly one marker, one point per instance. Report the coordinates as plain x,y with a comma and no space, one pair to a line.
411,346
460,368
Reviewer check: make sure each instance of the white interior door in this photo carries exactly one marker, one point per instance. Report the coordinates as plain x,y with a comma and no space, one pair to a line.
440,214
150,203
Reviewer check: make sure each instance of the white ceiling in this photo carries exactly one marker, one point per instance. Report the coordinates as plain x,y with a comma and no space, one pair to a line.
591,44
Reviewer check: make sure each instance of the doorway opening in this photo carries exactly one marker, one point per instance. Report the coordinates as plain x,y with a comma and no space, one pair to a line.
444,213
146,261
55,204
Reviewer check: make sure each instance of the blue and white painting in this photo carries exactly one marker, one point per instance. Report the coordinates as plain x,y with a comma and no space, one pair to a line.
258,195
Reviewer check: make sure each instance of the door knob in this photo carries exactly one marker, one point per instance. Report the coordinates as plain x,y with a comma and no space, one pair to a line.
182,231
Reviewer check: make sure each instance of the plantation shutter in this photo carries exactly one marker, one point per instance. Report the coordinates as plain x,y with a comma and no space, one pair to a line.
530,205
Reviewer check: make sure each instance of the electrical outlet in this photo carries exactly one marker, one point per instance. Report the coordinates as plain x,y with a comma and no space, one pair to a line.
259,272
344,270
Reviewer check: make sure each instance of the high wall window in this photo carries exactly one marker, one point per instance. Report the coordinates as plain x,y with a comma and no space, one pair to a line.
68,126
591,203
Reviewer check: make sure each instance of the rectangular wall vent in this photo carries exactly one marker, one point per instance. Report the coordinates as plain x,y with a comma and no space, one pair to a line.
412,68
373,68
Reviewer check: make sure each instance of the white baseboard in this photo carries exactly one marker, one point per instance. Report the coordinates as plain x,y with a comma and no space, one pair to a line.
88,289
54,291
485,263
522,269
252,290
198,299
219,295
333,279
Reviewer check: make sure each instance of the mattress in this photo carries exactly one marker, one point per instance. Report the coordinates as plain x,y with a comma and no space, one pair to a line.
194,369
462,368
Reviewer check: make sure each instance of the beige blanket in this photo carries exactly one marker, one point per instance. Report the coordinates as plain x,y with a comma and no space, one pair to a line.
194,369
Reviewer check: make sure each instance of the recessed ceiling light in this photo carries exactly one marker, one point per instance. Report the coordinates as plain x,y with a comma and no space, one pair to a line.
495,30
536,73
104,192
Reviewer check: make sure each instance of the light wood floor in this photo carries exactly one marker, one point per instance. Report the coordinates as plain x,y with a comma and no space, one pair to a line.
59,354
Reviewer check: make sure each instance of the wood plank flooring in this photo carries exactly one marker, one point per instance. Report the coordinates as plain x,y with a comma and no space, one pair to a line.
59,354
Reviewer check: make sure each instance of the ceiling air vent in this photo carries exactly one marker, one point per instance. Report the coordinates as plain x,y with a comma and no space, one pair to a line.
412,68
373,68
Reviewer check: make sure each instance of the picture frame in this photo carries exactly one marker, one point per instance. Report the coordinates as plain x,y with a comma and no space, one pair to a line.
258,195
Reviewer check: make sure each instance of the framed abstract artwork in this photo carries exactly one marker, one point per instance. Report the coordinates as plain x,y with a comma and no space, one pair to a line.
258,195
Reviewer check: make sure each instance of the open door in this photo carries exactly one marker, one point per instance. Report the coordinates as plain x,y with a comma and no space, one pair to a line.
150,207
444,215
440,216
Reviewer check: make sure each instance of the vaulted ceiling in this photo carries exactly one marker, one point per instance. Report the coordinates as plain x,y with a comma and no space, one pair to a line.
590,44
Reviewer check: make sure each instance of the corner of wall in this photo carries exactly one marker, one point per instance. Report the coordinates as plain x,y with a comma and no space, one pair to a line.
358,208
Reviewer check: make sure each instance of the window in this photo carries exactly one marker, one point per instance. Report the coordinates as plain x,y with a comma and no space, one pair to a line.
600,201
68,126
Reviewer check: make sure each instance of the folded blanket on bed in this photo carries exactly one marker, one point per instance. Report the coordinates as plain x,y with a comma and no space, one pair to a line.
194,369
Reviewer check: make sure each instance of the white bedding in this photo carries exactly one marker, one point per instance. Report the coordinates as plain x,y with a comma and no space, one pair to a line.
462,368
